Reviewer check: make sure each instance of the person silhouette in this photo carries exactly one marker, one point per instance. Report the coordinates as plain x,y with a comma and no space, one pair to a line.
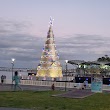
16,79
53,87
2,79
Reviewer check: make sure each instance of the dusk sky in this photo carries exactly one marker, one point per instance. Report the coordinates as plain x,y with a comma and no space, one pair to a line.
81,29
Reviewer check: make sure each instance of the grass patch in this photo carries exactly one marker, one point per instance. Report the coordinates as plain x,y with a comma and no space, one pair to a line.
42,100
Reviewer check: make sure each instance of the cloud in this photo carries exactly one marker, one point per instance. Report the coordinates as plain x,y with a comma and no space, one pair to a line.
12,27
22,47
16,43
27,49
82,46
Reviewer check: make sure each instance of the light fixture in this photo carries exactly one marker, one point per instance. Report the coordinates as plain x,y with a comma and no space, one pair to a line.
12,62
66,61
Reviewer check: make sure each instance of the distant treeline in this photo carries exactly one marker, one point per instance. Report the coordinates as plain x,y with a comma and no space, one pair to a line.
105,58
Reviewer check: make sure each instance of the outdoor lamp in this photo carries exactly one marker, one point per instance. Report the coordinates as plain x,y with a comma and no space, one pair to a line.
12,62
66,61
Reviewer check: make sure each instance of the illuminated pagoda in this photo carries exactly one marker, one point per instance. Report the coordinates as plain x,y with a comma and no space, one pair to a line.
49,64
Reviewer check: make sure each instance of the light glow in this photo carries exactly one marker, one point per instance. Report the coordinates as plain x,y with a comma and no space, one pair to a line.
66,61
12,59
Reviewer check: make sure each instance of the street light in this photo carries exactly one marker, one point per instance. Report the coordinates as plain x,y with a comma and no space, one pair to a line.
12,62
66,61
84,68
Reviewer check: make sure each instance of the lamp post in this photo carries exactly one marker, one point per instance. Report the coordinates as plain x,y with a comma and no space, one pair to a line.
84,68
12,62
66,61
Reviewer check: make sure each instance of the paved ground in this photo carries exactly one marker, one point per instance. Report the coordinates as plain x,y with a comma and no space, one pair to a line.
9,87
4,108
76,93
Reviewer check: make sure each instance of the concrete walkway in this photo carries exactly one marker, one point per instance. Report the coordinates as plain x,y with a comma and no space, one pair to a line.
76,93
4,108
9,87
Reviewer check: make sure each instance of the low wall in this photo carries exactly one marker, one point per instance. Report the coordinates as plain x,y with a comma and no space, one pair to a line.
49,83
106,87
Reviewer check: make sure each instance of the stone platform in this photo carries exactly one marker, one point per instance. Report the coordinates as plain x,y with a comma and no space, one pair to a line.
76,93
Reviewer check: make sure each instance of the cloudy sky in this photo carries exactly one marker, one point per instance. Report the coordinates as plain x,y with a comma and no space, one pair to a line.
81,29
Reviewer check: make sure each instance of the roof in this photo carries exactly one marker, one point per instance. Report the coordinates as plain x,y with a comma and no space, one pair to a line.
77,62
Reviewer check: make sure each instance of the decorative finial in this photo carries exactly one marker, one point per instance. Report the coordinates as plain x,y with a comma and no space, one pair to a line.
51,21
